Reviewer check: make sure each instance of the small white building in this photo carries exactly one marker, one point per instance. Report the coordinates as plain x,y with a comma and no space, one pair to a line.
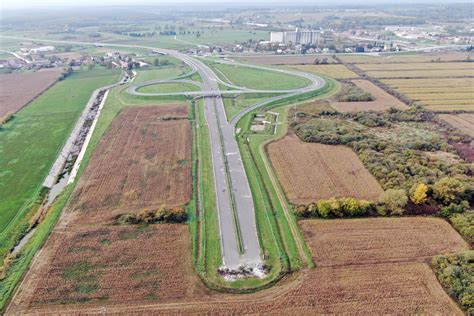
42,49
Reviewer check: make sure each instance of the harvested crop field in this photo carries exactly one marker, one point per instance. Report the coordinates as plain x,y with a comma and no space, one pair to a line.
440,86
382,100
334,71
423,73
143,160
111,265
408,58
384,288
287,59
415,66
379,240
310,172
464,122
17,89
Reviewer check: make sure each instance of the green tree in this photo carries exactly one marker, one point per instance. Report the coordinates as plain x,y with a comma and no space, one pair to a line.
392,202
448,190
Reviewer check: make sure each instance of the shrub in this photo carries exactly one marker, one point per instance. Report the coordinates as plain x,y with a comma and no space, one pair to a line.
6,118
335,207
448,190
164,214
352,93
455,273
392,202
454,208
464,224
395,152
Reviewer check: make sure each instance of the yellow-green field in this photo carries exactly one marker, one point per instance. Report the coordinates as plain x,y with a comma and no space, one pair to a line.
438,94
416,66
412,58
440,82
418,73
334,71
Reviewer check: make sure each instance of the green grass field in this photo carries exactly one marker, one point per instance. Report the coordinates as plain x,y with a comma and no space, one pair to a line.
225,35
258,78
207,37
168,87
30,142
165,72
233,106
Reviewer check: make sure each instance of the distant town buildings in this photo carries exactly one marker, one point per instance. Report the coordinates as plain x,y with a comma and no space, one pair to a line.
296,37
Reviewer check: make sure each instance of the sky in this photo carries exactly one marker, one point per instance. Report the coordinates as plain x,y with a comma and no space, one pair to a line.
15,4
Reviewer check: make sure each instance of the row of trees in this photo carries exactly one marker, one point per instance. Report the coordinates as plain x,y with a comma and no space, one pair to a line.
66,72
449,196
164,214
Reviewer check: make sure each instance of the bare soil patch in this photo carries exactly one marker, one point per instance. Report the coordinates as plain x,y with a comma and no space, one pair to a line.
379,240
142,161
17,89
309,172
382,100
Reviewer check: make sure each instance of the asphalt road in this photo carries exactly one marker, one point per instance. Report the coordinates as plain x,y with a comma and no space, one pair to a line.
238,230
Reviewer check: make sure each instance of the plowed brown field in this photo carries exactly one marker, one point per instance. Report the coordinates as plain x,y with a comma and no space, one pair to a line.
376,240
141,162
18,89
311,172
382,100
112,265
346,287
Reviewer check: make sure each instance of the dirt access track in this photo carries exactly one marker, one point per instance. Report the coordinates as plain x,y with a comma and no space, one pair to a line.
359,276
310,172
17,89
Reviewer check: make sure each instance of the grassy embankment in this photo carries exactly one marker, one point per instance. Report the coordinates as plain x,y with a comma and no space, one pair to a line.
257,78
30,144
169,87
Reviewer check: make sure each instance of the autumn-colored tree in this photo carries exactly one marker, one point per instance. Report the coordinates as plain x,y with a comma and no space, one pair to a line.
419,194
